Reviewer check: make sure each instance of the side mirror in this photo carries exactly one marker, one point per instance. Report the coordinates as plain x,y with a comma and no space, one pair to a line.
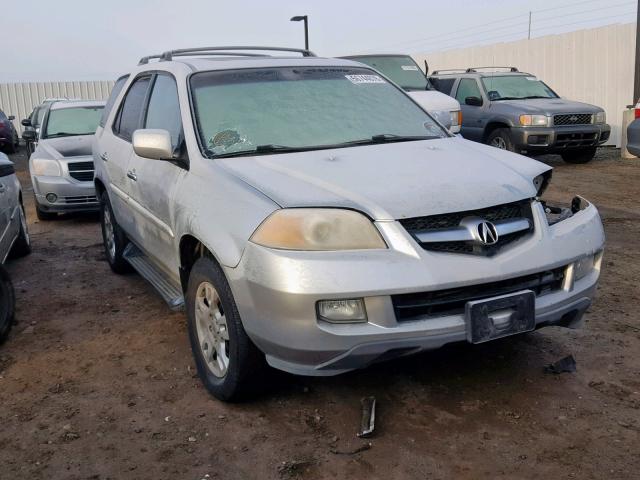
26,122
11,118
29,135
153,144
473,101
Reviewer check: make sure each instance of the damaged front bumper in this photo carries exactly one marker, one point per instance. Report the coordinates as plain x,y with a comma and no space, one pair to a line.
277,291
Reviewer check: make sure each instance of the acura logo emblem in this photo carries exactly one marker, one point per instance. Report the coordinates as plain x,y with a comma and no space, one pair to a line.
487,233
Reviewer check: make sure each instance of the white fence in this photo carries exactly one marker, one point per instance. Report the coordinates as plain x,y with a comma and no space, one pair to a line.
594,66
18,99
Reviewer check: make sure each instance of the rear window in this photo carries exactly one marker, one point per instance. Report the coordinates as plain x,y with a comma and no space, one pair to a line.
115,91
130,112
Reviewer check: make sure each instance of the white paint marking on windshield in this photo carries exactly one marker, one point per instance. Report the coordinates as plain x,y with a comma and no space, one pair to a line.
359,79
410,68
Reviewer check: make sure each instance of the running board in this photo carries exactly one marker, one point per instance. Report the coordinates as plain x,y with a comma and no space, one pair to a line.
139,261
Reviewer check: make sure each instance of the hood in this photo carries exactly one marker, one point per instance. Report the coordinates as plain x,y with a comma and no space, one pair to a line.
547,106
393,181
58,148
432,100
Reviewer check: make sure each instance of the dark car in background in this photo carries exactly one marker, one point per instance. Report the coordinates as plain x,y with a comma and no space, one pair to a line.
633,134
516,111
9,139
32,123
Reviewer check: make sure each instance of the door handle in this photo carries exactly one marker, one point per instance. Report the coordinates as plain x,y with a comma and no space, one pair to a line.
104,157
132,175
2,188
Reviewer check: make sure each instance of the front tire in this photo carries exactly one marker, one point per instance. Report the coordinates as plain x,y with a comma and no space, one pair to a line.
7,304
22,245
228,362
501,139
583,155
113,237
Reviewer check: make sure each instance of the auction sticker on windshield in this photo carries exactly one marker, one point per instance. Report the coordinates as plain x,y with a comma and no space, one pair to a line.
358,79
409,68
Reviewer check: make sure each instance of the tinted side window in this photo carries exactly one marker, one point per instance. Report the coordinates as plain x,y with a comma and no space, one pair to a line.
164,108
115,91
468,87
2,115
443,85
131,110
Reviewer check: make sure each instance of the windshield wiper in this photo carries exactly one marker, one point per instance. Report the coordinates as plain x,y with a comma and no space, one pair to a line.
507,98
389,138
537,96
264,149
65,134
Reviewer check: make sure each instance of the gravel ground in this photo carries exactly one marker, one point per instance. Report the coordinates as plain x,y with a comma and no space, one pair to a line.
97,380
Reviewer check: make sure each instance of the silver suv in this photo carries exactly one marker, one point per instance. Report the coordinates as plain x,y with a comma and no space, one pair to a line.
516,111
306,211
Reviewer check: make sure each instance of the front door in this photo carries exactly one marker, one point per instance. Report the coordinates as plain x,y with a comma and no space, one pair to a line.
472,115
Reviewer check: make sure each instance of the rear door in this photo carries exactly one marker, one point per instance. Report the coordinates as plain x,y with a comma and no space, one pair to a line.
114,149
152,182
7,201
472,115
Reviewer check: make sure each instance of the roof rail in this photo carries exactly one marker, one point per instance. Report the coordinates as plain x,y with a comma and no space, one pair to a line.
449,70
475,69
222,51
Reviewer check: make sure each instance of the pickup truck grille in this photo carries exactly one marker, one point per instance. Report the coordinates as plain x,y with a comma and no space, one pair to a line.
452,301
82,171
436,223
573,119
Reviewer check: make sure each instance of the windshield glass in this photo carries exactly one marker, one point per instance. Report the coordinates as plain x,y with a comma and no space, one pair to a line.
516,87
401,69
66,122
301,107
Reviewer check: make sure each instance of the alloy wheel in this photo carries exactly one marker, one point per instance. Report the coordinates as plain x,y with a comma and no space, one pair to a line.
211,326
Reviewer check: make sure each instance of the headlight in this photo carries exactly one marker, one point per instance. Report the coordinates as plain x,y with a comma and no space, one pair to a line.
45,167
534,120
541,182
318,229
456,118
600,117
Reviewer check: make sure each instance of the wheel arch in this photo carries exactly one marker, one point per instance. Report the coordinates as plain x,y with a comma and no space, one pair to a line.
492,126
191,248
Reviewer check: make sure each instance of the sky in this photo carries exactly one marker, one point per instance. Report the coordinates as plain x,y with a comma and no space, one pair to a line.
101,39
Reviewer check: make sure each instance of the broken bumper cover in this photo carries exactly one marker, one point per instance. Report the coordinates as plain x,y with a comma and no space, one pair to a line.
71,195
559,138
277,291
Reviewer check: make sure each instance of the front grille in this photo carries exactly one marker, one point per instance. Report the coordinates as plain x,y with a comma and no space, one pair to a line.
79,199
443,221
82,171
573,119
576,139
452,301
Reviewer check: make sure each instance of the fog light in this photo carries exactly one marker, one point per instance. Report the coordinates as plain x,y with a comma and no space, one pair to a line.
52,197
342,311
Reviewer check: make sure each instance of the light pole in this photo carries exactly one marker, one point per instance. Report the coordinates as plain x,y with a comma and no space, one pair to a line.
304,18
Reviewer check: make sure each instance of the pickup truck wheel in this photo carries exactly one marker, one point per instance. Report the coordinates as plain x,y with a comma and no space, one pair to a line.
500,138
7,304
226,359
22,245
113,237
583,155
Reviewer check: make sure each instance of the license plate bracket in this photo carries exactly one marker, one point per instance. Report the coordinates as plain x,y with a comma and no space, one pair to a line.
499,317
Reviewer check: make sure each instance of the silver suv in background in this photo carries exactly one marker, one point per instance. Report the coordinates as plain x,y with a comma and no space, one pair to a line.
306,211
61,165
404,71
516,111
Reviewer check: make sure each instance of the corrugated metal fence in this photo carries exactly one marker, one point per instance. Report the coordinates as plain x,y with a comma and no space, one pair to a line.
594,65
18,99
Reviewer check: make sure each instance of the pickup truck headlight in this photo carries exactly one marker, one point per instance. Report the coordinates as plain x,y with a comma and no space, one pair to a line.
456,118
600,117
534,120
45,167
317,229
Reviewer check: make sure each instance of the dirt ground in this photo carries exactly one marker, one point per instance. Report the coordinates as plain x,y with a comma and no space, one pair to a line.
97,380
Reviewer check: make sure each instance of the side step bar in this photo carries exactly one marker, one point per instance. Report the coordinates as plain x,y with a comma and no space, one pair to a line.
139,261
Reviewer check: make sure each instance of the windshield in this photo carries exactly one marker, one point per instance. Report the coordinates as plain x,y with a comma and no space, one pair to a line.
401,69
516,87
303,108
67,122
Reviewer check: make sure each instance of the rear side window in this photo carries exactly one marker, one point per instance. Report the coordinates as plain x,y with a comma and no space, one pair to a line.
115,91
444,85
128,119
468,87
2,115
164,108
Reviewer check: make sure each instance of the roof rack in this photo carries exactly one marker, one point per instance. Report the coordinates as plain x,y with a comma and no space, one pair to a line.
449,70
222,51
491,69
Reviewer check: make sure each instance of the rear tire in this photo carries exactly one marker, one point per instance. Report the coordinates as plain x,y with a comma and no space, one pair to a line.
113,237
501,139
7,304
22,245
583,155
228,362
